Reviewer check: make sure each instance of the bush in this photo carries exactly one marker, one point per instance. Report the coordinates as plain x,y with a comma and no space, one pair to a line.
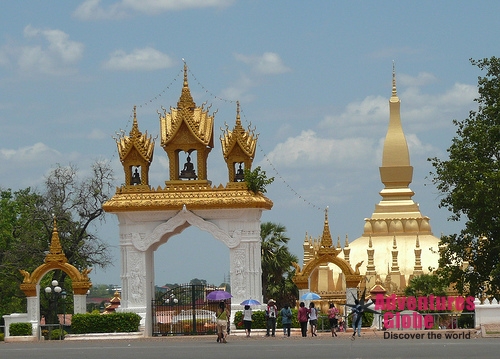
105,323
367,320
2,337
57,334
259,320
19,329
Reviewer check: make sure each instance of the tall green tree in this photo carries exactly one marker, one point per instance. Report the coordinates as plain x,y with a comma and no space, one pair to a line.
469,181
277,268
26,223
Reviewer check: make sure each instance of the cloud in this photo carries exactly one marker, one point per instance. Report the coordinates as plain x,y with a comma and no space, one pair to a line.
25,156
308,150
366,116
422,79
146,59
92,10
97,134
269,63
55,56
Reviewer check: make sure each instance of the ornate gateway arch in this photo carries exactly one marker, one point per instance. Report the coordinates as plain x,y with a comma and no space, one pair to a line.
149,217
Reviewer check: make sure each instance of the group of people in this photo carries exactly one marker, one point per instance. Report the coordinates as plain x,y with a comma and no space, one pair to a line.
305,316
272,314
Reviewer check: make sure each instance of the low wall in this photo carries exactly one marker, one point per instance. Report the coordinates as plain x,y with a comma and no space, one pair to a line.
18,318
487,313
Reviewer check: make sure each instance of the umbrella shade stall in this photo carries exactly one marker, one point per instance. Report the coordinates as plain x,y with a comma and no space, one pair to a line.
219,295
310,296
250,302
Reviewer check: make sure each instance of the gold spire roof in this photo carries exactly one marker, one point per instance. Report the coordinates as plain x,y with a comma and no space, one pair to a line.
395,151
144,144
247,140
326,238
196,119
56,253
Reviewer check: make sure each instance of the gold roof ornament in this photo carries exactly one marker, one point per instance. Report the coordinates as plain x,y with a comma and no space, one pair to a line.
188,129
238,147
56,253
56,259
136,150
326,238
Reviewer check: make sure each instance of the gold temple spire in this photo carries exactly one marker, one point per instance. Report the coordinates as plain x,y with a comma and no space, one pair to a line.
395,146
326,238
186,100
56,253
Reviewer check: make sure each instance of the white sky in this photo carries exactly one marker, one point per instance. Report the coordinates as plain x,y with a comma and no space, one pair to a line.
314,78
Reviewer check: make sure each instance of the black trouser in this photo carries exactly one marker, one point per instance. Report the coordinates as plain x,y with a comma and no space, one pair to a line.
303,328
271,324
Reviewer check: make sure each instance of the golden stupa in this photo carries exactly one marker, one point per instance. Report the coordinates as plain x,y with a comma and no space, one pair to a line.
397,242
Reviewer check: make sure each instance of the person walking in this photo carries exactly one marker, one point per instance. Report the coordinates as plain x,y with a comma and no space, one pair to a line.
333,312
222,319
271,314
357,319
302,317
247,320
286,319
313,319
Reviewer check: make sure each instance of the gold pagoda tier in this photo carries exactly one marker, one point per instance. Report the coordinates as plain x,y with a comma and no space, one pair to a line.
195,197
186,130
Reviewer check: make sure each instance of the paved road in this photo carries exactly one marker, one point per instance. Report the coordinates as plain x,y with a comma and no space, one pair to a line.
255,348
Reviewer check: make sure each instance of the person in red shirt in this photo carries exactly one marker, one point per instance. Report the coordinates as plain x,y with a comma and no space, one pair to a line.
302,317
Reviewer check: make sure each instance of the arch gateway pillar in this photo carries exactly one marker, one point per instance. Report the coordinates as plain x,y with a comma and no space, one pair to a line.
141,233
149,217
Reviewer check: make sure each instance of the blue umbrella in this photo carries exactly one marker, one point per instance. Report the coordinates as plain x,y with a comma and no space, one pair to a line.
219,295
310,296
250,302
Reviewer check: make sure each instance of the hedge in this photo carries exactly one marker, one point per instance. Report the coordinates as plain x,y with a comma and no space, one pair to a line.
20,329
105,323
259,320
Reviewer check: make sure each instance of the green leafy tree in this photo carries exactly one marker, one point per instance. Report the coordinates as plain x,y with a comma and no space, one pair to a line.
257,180
26,223
20,244
469,181
425,285
277,268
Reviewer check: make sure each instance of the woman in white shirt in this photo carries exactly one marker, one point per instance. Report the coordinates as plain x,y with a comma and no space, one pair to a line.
313,319
247,320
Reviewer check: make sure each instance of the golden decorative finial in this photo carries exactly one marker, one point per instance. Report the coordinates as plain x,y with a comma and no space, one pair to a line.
326,238
56,253
238,118
394,92
186,100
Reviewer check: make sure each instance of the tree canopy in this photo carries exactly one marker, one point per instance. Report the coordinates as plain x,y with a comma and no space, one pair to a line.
277,269
469,182
26,223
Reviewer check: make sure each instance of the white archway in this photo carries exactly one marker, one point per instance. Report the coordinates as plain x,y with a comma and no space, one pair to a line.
141,233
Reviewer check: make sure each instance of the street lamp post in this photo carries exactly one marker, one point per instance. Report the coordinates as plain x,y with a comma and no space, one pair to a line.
63,297
54,290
